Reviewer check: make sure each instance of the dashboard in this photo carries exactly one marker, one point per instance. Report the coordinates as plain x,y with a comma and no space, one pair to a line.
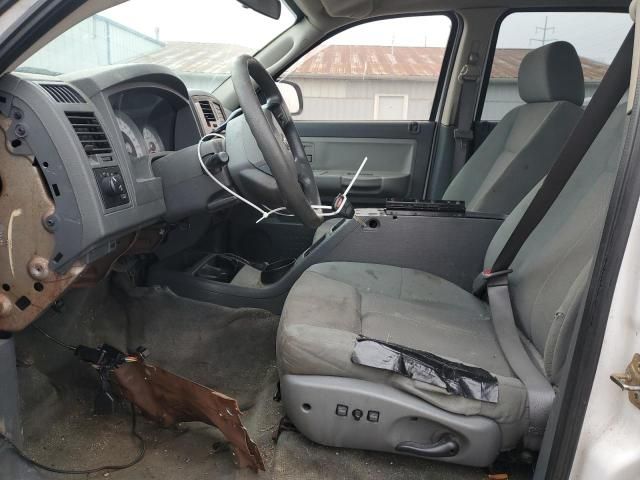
94,137
146,118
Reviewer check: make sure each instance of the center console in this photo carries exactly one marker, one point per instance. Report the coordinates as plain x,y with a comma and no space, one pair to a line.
436,237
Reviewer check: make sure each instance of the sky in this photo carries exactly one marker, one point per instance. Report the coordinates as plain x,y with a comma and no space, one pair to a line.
595,35
208,21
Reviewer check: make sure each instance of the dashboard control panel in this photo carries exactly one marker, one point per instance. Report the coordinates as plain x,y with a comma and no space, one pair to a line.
95,147
111,186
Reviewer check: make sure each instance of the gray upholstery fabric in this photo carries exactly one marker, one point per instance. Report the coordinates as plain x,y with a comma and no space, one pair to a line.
552,73
526,142
555,254
334,302
515,156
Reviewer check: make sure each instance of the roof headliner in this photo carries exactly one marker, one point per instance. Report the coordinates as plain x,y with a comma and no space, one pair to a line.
324,13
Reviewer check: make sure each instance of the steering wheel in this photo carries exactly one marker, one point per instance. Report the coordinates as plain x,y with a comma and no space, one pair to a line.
277,138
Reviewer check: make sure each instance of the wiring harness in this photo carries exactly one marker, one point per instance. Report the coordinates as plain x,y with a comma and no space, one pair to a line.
103,359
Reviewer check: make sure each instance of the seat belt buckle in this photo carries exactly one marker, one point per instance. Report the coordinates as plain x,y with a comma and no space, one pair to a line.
487,274
484,278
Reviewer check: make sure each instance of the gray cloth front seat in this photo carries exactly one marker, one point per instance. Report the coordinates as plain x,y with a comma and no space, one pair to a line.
525,143
332,304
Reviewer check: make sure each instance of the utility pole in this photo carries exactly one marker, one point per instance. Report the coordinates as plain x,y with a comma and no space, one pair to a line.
544,40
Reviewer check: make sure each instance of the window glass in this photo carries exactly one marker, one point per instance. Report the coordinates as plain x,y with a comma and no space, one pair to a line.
596,37
196,39
380,70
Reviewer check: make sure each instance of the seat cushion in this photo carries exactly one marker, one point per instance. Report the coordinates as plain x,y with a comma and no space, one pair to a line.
333,303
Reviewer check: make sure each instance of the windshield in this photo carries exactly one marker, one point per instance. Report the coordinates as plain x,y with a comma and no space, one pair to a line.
197,39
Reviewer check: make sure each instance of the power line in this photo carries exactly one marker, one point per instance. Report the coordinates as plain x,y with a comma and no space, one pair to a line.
544,40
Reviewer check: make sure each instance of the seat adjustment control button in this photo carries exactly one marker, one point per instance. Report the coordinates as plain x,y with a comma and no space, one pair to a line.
342,410
373,416
357,414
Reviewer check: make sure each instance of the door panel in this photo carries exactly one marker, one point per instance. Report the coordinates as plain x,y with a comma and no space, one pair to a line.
335,161
397,152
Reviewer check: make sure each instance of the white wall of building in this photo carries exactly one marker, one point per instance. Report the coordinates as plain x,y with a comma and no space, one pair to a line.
355,99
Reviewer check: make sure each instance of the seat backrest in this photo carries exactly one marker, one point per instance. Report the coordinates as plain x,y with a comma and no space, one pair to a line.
523,146
551,270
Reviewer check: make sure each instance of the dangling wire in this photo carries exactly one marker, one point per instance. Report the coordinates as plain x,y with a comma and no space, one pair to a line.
53,339
142,445
265,212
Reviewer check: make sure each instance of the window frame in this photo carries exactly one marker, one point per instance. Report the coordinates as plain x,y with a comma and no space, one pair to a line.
446,69
488,64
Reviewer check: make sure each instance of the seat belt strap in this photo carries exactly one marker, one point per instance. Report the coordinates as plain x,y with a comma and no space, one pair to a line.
604,101
463,134
540,393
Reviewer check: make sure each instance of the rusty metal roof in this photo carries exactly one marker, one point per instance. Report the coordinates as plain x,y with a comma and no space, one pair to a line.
364,60
345,60
507,61
371,61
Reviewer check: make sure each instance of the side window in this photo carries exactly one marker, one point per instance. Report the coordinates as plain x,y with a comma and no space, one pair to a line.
380,70
596,37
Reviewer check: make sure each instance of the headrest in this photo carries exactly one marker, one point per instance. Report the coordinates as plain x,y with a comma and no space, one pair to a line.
552,73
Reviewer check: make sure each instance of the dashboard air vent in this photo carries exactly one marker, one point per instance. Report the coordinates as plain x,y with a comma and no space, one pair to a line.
218,112
90,132
207,111
62,93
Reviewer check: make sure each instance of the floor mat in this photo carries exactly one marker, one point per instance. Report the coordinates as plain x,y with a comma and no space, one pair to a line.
227,349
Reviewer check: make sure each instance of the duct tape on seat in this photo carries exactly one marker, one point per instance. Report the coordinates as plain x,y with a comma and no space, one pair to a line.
456,378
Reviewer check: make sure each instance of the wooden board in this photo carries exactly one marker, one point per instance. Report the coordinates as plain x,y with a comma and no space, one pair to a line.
27,284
